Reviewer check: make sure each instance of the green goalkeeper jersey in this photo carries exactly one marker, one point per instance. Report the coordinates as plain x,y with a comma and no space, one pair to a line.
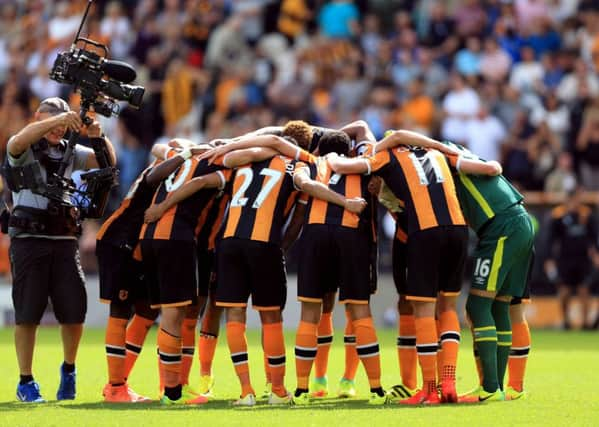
481,197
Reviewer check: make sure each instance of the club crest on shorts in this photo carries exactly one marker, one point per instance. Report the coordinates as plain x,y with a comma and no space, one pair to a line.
123,294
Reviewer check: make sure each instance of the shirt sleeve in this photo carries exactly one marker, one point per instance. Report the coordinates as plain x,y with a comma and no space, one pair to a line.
379,161
81,154
25,158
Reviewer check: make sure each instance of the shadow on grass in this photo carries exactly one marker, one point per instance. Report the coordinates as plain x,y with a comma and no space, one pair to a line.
216,404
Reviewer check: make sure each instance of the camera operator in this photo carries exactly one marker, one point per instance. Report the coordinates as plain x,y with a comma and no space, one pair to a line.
44,251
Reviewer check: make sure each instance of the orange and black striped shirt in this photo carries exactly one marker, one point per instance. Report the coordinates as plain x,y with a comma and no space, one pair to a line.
350,186
180,221
209,227
262,198
123,226
423,181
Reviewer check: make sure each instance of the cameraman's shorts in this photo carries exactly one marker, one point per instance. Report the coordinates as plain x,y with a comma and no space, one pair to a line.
121,277
46,268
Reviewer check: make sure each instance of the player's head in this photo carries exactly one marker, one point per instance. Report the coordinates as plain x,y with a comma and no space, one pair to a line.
334,142
51,107
300,131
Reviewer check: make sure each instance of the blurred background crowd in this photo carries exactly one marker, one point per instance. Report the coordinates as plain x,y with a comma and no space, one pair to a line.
514,80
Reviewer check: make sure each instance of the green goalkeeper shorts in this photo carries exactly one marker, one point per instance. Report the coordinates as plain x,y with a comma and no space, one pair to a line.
504,253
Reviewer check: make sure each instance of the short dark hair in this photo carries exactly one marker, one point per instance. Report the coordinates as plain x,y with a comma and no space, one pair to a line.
54,105
334,142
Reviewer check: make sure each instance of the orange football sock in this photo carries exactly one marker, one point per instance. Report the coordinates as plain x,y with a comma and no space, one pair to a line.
137,330
450,342
367,347
188,338
518,355
406,350
274,347
169,352
305,352
115,350
206,348
439,351
325,338
239,355
426,346
351,355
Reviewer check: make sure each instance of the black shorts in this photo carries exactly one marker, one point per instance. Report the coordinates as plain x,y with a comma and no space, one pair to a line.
169,268
121,277
42,269
574,273
400,265
206,272
436,259
334,257
249,268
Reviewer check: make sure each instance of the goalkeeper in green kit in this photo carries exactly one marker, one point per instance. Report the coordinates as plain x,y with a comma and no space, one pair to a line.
493,208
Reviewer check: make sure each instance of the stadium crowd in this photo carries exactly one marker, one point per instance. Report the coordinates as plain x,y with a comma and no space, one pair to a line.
513,80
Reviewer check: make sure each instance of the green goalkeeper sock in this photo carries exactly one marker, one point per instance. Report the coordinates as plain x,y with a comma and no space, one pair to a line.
485,338
501,314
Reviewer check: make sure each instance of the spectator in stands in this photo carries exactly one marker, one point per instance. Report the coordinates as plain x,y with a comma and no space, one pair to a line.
562,179
573,245
570,86
485,134
495,63
528,73
339,19
417,112
554,114
470,18
459,105
467,60
588,146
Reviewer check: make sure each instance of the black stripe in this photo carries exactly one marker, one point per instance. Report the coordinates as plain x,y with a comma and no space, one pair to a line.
207,335
411,342
325,340
422,349
115,351
308,354
243,357
450,336
519,352
247,219
371,349
349,339
207,227
279,215
334,213
476,353
133,348
276,360
169,358
189,351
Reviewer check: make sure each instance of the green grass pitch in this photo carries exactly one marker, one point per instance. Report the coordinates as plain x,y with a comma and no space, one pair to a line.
562,382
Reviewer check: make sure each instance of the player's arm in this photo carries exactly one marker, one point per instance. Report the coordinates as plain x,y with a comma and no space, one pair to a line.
302,180
359,131
295,226
276,143
347,166
212,180
164,169
406,137
249,155
33,132
478,167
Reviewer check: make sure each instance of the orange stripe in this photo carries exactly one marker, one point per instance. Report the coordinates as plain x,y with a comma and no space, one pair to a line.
105,301
234,211
172,304
271,308
453,205
401,235
230,304
354,301
266,212
306,299
424,299
204,214
318,209
449,294
218,222
420,197
124,205
353,188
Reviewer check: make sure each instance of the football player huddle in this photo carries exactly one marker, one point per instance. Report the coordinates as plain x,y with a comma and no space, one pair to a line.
207,226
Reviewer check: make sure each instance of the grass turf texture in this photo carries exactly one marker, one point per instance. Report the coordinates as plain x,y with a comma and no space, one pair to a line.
561,381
